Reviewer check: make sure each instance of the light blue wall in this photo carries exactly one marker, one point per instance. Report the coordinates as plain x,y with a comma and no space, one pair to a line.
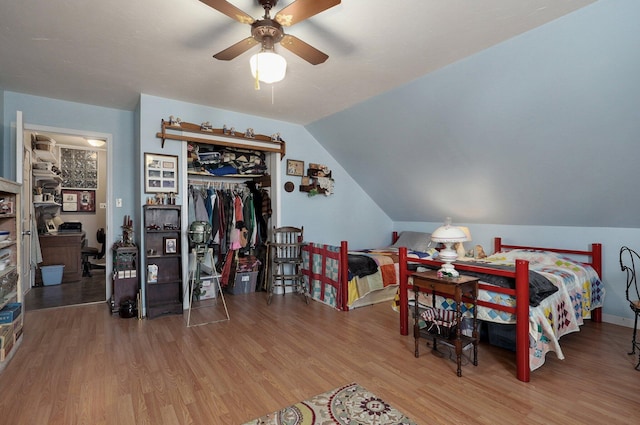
348,214
552,113
76,116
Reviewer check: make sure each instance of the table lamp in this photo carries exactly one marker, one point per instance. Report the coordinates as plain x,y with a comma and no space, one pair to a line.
448,235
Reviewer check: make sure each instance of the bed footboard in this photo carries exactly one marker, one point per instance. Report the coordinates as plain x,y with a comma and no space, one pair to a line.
326,269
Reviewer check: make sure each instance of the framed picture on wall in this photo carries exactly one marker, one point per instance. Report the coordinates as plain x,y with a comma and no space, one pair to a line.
295,167
78,200
160,173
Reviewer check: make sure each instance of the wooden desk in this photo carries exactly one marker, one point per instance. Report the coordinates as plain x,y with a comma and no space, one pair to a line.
454,287
62,248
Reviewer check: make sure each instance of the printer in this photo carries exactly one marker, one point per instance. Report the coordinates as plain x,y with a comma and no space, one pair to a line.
70,227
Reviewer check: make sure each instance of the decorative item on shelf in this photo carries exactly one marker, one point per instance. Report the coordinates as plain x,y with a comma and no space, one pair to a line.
479,252
6,206
170,245
448,235
37,194
206,126
127,231
459,246
152,273
276,137
249,134
174,121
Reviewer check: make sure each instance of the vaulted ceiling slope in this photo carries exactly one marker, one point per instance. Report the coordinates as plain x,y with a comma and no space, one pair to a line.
541,129
108,52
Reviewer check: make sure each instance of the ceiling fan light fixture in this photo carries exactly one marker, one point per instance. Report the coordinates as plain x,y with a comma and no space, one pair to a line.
268,67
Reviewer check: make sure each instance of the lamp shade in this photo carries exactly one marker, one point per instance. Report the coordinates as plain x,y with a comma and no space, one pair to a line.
268,67
448,233
466,232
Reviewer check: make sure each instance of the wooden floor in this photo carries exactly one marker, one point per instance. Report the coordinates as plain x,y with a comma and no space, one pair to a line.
88,290
82,365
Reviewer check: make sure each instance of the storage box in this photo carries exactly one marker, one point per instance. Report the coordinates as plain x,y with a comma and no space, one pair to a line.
502,335
209,287
6,350
10,312
245,282
52,275
6,335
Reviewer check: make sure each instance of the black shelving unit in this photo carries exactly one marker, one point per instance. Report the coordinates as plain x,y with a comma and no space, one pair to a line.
163,278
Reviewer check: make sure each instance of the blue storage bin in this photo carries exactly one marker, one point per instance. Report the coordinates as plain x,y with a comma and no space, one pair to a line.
52,275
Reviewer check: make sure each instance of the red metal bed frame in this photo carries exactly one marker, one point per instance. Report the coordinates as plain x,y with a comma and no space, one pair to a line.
521,291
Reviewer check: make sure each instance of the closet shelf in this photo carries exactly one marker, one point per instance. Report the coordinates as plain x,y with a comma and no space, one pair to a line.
217,136
45,156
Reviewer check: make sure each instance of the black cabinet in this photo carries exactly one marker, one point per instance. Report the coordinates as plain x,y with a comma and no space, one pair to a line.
125,275
163,279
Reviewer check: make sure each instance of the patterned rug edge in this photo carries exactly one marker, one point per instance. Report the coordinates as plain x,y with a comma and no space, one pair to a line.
344,405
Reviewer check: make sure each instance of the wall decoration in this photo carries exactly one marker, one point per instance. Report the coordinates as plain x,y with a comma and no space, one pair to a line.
160,173
78,200
317,181
295,167
289,186
79,168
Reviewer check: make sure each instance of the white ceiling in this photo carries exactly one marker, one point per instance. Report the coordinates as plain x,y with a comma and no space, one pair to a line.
108,52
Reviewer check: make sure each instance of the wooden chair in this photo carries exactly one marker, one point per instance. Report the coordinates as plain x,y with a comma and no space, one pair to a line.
628,259
286,250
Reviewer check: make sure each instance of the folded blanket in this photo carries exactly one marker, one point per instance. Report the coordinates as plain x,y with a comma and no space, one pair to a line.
362,265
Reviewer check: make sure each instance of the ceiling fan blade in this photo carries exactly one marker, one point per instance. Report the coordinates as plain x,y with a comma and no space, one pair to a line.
300,10
302,49
230,10
236,50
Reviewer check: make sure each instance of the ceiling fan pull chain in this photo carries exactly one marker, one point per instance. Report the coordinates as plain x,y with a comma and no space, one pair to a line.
272,94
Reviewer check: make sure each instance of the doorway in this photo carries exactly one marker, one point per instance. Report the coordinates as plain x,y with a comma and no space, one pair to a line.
82,164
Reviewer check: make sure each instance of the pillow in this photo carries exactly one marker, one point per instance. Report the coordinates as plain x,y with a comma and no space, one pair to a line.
414,241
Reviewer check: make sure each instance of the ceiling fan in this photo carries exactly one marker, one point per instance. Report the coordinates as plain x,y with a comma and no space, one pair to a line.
267,31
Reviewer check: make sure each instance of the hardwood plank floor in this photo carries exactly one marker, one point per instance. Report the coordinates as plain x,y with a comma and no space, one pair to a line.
82,365
90,289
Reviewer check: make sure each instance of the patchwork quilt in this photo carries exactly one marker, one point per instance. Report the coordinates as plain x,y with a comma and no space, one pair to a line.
580,290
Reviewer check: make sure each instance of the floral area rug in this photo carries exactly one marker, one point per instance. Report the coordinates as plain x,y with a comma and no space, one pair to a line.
348,405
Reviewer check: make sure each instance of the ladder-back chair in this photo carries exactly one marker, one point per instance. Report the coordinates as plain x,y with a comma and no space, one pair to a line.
628,260
286,249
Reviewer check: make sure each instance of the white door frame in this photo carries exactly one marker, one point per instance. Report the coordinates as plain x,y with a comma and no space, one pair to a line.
109,149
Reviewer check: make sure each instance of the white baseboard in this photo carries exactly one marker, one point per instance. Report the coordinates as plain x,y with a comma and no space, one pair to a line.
617,320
